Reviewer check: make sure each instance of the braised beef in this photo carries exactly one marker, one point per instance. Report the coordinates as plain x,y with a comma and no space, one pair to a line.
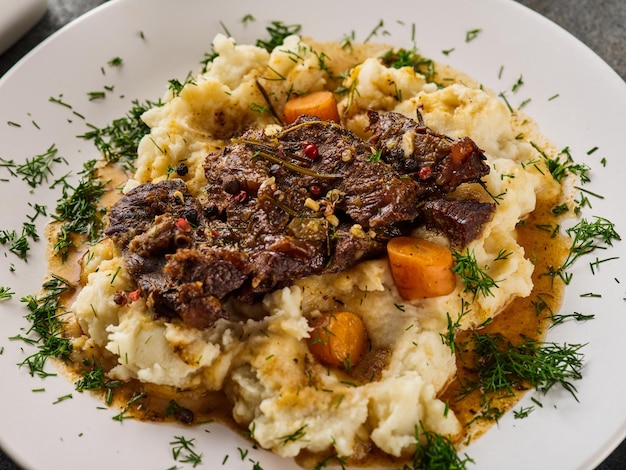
461,220
438,163
310,199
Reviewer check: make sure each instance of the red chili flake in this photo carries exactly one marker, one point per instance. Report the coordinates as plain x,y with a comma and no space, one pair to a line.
134,295
315,190
425,173
310,150
183,225
120,298
241,196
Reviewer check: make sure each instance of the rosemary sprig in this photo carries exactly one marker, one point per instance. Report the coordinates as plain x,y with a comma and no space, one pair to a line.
295,168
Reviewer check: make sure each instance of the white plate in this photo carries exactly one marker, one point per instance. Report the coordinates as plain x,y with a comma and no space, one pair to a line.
513,42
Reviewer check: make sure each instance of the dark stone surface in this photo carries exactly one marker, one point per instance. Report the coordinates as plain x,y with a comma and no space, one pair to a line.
598,24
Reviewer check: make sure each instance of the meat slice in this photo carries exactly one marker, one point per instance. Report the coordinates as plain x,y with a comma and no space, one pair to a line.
438,163
136,212
461,220
309,199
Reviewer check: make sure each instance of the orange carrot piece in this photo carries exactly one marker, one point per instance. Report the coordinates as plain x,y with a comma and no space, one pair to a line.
321,104
420,268
338,339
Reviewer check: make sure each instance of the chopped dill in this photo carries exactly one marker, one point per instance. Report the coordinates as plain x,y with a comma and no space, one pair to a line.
563,165
587,237
78,210
504,366
449,337
398,58
35,170
6,293
435,451
523,412
294,436
134,399
563,317
119,140
278,32
472,34
45,321
115,62
474,277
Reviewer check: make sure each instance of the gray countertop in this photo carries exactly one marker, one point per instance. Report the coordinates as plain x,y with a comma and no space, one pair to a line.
598,24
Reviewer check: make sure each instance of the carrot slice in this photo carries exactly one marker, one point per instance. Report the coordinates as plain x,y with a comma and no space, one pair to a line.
420,268
338,339
321,104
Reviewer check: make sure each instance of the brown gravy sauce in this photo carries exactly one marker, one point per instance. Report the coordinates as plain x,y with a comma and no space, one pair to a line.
154,402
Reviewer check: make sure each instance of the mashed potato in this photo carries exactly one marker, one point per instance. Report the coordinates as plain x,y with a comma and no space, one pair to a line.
287,400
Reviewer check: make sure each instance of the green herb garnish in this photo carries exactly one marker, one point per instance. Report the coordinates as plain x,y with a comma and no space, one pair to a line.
118,141
505,367
475,278
182,451
78,210
45,318
435,451
278,32
35,170
398,58
6,293
294,436
587,238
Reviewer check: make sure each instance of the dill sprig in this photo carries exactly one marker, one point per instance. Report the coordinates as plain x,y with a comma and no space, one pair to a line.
176,86
435,452
94,379
91,380
45,319
294,436
587,237
19,245
35,170
449,337
78,210
278,32
182,451
119,140
563,165
6,293
123,415
475,278
398,58
504,367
